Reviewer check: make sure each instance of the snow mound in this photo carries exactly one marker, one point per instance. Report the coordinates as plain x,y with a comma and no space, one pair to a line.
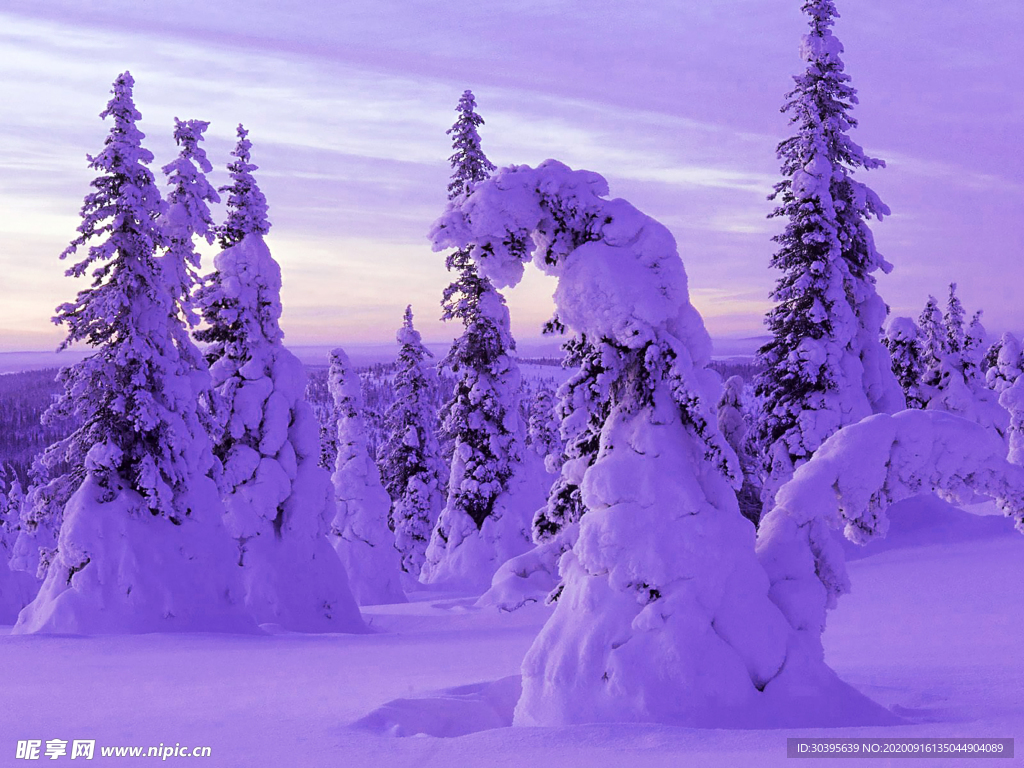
118,572
17,589
452,712
530,577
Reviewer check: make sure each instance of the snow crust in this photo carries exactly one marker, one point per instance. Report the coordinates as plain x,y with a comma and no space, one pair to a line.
359,530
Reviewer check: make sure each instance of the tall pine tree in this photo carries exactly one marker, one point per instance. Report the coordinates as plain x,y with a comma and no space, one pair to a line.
825,366
482,420
278,499
409,457
142,449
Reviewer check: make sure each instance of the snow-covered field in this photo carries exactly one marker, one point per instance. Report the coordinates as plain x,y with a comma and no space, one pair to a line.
932,630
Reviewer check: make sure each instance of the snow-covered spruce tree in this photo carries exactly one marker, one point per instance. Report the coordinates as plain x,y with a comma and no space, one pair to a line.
902,338
665,614
732,420
408,457
247,207
932,335
953,320
360,530
478,529
975,338
188,215
542,431
16,587
51,486
147,497
278,500
952,379
825,365
1003,363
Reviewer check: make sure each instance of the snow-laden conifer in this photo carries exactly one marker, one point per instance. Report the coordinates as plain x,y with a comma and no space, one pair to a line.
543,428
933,338
360,530
952,379
664,614
953,319
732,420
1003,363
902,337
17,588
975,338
188,215
583,405
482,420
247,207
141,545
408,457
825,365
278,500
42,510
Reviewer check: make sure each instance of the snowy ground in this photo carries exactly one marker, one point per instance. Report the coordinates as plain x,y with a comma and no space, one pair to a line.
933,630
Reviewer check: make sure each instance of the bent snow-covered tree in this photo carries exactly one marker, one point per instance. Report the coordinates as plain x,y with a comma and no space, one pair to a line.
360,530
664,615
825,366
849,485
409,457
142,545
482,420
279,501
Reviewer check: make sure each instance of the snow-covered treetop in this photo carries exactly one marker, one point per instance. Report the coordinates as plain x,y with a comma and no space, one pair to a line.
407,335
619,273
190,190
954,319
127,184
468,161
822,14
343,384
247,207
246,296
620,278
188,212
901,329
817,161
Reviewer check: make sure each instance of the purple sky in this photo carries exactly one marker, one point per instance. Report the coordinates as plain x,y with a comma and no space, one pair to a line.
677,104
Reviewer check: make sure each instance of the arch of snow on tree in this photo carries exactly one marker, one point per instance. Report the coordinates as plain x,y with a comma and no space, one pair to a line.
665,613
850,483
